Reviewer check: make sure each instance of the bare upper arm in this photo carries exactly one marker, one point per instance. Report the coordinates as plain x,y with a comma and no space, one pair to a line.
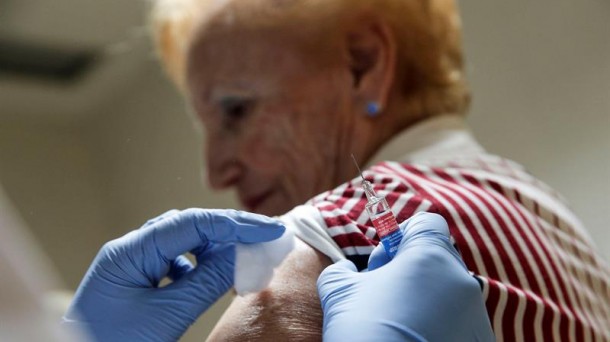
288,310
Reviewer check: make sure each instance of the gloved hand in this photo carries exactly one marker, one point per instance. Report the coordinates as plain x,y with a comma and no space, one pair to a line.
119,298
424,294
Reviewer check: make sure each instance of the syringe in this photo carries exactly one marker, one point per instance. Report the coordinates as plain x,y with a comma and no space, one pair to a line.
382,217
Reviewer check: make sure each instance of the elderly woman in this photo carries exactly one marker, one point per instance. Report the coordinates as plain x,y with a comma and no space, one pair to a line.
287,90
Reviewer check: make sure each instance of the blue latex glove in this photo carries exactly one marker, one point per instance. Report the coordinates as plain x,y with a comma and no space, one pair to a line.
119,298
424,294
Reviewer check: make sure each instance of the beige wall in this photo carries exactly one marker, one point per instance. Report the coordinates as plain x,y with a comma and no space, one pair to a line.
80,186
48,173
149,153
540,72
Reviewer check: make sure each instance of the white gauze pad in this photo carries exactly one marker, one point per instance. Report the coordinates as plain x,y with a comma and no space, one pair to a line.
254,263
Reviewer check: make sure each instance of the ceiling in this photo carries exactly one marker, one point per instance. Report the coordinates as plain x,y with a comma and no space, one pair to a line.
114,29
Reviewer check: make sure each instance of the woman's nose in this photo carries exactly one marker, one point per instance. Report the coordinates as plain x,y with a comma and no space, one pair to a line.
223,168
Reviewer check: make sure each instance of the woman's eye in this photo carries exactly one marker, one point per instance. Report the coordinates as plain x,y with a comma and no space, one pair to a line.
235,109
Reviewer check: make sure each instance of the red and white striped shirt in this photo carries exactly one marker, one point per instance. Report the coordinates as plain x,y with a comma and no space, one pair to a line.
542,279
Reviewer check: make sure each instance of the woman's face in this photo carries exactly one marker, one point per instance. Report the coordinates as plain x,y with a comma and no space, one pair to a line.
278,125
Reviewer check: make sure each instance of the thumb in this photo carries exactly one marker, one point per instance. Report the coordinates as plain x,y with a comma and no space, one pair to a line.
425,225
335,276
378,258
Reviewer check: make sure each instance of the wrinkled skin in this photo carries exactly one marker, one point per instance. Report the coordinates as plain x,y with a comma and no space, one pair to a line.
280,126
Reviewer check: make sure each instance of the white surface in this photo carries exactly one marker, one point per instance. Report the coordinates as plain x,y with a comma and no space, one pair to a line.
309,226
255,263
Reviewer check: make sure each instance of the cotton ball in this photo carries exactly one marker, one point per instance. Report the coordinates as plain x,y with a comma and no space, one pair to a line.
254,263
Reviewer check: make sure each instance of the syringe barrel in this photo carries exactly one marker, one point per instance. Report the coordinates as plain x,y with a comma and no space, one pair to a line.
377,206
385,224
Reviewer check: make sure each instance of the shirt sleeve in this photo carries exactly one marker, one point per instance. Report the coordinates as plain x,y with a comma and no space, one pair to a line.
308,225
539,271
337,224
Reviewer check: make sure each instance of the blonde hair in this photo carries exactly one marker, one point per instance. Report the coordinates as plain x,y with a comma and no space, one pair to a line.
430,70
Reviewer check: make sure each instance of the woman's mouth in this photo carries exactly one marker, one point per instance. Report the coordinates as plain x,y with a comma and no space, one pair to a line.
251,203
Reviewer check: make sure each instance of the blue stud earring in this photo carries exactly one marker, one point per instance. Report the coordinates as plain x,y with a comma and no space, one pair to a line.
373,109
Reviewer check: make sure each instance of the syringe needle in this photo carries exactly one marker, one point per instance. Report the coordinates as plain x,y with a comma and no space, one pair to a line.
358,167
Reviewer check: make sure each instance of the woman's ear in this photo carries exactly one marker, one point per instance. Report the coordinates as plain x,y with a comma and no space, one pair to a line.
371,49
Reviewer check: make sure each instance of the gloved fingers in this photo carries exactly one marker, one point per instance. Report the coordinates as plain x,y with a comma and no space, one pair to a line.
378,258
342,266
207,282
160,217
424,223
479,281
179,267
339,270
427,227
192,228
335,275
244,227
199,251
202,253
431,229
